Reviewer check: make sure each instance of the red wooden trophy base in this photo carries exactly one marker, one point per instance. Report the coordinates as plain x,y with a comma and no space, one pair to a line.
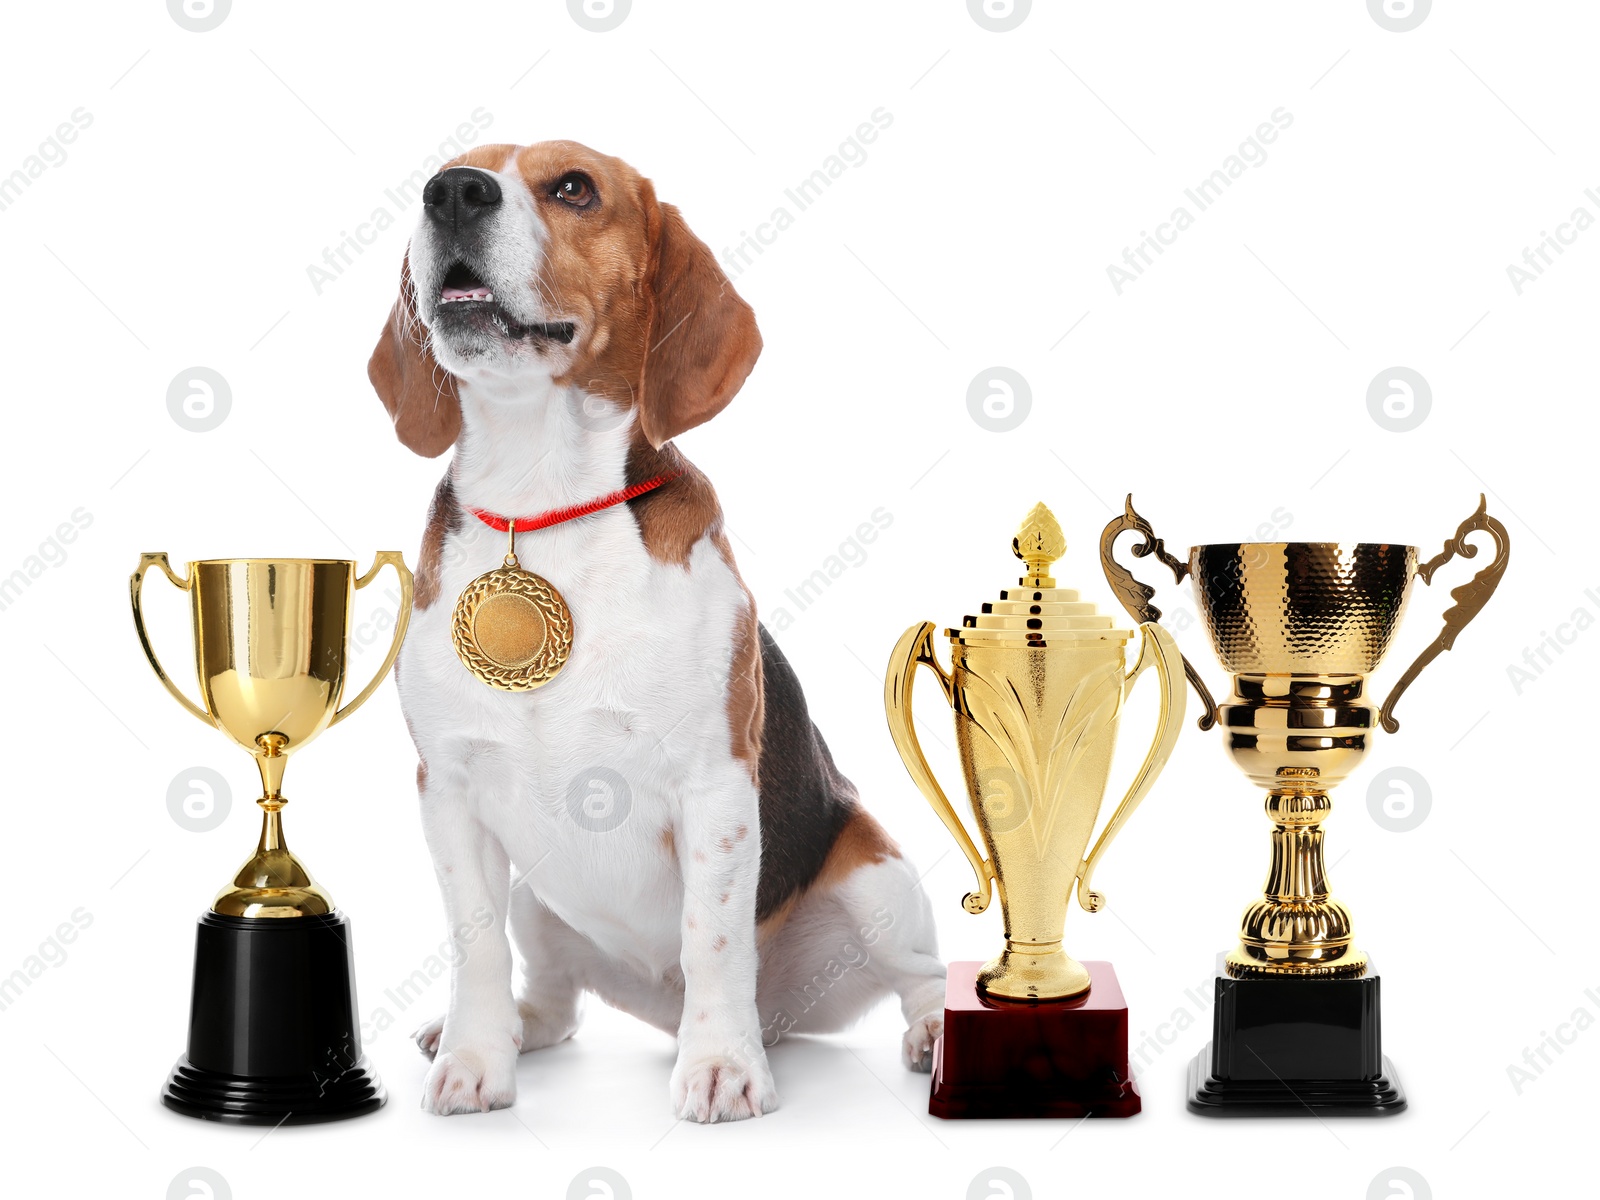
1001,1059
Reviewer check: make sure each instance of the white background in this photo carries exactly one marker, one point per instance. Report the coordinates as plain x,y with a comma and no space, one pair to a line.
1227,383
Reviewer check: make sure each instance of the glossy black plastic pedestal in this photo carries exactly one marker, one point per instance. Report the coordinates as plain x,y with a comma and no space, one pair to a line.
1288,1047
273,1033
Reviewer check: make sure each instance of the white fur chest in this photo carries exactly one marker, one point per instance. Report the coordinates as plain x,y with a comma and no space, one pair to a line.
582,780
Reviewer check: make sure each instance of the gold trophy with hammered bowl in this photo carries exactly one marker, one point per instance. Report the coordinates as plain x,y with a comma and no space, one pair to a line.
273,1032
1037,683
1300,626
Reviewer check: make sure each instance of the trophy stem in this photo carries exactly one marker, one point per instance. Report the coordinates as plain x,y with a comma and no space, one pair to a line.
271,829
1296,928
272,882
1298,874
270,761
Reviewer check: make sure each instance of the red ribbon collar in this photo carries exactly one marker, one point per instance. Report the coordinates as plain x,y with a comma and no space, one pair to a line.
572,512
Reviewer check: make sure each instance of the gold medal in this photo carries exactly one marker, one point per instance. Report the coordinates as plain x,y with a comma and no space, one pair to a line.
511,627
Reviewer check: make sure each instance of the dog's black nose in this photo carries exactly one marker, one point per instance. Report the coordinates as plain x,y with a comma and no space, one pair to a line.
459,196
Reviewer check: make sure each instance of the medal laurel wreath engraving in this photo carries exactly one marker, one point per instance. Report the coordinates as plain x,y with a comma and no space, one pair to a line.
511,627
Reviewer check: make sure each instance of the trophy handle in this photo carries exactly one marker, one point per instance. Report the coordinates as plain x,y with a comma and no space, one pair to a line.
915,648
393,559
1158,650
136,591
1135,596
1469,598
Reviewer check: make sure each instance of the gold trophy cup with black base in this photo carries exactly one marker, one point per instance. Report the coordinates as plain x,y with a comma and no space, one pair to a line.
274,1037
1300,626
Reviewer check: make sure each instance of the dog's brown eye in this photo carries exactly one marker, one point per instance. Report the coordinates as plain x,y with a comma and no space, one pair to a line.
575,189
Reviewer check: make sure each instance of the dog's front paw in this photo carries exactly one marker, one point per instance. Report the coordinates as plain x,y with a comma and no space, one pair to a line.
463,1081
916,1048
722,1087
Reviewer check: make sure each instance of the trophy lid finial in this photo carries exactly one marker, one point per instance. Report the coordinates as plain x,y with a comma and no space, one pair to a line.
1039,542
1038,615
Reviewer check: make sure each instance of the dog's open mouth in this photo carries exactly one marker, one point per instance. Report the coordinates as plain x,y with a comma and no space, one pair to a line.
463,294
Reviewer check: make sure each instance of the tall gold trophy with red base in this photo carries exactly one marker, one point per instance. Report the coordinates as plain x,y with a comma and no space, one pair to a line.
1036,683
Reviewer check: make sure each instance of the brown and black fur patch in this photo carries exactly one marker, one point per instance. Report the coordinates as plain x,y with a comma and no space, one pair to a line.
806,804
444,518
676,515
746,697
809,810
860,843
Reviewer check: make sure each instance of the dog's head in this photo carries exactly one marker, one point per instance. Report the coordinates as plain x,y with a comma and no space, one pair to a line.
553,261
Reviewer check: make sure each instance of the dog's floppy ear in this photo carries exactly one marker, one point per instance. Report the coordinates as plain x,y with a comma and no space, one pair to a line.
419,394
703,337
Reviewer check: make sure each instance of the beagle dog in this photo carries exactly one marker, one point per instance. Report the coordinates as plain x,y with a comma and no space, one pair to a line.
661,824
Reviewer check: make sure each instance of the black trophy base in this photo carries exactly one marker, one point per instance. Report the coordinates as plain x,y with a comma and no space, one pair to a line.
238,1100
1284,1047
273,1035
1213,1097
